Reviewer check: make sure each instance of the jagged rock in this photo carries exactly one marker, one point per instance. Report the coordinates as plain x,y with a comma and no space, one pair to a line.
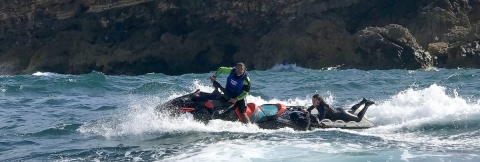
474,34
433,24
461,52
464,56
456,34
306,41
474,13
390,47
439,51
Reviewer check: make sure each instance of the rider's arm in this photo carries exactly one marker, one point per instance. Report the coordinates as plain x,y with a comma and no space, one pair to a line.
321,113
309,110
223,70
246,89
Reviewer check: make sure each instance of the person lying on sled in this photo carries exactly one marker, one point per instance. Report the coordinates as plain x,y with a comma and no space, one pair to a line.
326,111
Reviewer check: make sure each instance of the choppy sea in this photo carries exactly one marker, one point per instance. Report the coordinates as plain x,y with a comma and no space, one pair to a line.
419,115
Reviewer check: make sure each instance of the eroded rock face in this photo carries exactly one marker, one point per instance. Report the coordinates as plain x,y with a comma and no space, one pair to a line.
306,41
175,37
390,47
468,55
439,51
438,18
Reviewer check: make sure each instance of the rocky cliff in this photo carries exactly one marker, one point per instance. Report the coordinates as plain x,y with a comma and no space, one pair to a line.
173,37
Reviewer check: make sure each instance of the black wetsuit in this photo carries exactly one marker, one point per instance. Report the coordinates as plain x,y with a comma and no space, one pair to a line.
328,112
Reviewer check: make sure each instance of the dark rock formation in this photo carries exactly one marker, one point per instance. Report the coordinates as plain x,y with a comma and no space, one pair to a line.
391,47
467,55
306,41
179,36
462,51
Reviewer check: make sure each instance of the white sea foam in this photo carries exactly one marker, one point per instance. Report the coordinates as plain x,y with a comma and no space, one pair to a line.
287,67
45,74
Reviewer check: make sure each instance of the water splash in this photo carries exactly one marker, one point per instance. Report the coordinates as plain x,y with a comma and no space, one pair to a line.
39,73
416,107
287,68
141,118
430,117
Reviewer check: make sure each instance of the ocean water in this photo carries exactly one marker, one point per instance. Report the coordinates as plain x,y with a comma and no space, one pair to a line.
419,115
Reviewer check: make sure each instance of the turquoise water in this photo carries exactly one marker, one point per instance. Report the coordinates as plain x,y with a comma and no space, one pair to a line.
420,116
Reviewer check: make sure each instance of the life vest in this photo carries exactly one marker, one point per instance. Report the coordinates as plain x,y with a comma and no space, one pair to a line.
234,84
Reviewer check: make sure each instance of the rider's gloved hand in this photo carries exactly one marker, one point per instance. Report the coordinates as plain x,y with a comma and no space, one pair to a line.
212,78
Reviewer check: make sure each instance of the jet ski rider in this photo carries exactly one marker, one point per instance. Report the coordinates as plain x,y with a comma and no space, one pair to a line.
237,87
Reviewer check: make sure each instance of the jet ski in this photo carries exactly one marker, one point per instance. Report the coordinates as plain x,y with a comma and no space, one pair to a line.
206,106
